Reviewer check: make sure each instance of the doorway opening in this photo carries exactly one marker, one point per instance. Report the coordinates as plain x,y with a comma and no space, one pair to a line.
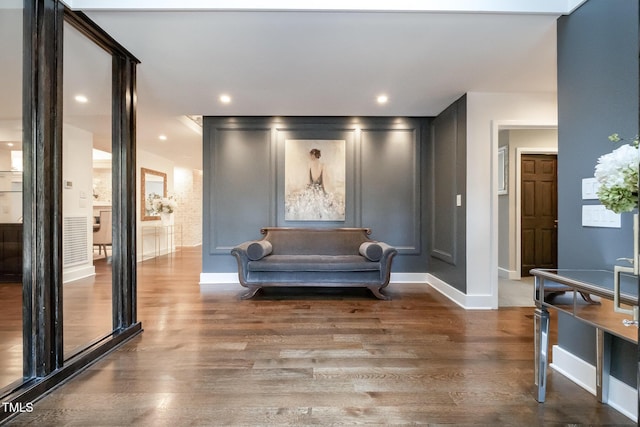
516,141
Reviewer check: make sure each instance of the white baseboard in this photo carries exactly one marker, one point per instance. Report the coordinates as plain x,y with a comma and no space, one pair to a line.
408,278
447,290
152,254
474,302
77,273
508,274
574,368
220,278
622,397
469,302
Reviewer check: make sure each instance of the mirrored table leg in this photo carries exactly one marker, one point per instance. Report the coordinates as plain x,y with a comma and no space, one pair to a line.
603,365
541,347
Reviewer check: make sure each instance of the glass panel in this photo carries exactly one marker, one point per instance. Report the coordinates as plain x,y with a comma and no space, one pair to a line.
86,205
10,192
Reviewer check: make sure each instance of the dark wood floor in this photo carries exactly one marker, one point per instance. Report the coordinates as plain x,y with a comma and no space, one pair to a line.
313,357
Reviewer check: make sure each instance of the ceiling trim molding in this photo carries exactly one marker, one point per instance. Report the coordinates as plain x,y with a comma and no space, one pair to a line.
574,4
552,7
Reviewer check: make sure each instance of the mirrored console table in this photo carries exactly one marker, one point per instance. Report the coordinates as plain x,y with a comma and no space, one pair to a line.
586,295
166,239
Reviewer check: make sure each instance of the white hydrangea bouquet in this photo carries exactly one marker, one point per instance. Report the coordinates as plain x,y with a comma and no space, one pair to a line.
617,174
163,204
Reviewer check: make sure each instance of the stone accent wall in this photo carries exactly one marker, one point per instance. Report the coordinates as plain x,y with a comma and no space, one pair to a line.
102,185
187,188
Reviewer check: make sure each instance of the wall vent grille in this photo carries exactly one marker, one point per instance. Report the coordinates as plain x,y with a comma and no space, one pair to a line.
75,241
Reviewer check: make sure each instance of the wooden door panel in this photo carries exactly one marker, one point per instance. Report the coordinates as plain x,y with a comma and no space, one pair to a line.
548,248
528,166
546,202
539,212
528,203
528,251
547,166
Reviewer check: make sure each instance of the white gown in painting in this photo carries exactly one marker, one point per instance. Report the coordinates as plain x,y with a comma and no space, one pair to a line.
314,202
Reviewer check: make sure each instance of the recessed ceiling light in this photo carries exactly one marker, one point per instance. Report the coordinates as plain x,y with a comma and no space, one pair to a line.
81,99
10,144
162,137
225,99
382,99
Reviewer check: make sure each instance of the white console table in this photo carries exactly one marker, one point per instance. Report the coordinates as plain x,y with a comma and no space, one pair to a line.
161,234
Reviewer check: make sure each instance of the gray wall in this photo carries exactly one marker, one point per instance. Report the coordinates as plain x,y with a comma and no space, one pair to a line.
385,181
447,178
597,95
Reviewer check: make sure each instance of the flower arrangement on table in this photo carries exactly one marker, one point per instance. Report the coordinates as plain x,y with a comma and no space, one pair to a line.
159,205
617,174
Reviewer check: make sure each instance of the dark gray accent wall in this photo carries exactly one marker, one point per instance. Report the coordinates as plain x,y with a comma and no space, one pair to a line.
597,96
244,181
390,187
447,179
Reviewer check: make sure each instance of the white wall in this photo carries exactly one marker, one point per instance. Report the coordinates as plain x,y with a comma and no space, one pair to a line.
485,112
77,201
11,130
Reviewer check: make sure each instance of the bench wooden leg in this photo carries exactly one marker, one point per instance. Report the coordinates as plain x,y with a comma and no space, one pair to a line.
587,298
250,292
376,291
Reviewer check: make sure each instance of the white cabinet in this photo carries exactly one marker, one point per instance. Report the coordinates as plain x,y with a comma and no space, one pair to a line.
10,197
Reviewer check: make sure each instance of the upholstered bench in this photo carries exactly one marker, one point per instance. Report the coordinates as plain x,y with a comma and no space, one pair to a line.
334,257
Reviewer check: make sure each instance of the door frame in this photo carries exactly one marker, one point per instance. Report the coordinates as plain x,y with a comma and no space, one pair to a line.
496,127
519,152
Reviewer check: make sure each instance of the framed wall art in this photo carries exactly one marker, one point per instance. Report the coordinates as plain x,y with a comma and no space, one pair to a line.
503,170
153,185
314,188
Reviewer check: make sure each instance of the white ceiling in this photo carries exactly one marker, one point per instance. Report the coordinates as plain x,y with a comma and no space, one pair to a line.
322,62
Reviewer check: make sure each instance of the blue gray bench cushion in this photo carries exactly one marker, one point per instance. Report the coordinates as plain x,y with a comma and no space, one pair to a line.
371,251
259,249
313,263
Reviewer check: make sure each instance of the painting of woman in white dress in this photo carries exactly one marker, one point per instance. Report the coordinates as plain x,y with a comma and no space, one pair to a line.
314,180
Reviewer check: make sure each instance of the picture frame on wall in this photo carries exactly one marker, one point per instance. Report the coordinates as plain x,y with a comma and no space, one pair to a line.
503,170
315,184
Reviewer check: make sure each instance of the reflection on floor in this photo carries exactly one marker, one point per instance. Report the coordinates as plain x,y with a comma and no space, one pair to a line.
515,293
86,310
10,333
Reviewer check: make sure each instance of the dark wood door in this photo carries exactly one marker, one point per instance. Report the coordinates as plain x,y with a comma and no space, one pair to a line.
539,239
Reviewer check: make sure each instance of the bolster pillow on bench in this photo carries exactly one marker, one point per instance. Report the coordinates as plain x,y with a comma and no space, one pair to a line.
371,251
259,249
